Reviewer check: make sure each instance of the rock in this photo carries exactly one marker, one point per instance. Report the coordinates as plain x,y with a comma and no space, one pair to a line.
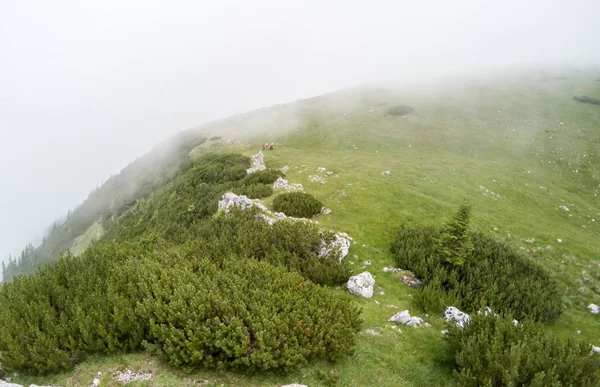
295,385
531,240
515,322
329,173
284,169
367,263
444,332
35,385
453,314
488,312
559,240
392,269
594,308
283,184
316,179
411,280
362,285
340,244
7,384
321,170
595,349
405,318
95,383
564,208
258,163
129,376
385,173
230,200
325,211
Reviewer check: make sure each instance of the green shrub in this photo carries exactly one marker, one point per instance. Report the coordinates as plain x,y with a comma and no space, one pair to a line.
400,110
492,274
256,190
297,204
266,176
241,314
492,351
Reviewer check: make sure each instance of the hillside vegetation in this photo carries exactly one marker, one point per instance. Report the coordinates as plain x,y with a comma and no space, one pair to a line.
522,151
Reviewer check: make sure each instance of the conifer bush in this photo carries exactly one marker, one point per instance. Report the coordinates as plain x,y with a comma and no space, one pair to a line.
266,176
492,351
297,204
256,191
479,272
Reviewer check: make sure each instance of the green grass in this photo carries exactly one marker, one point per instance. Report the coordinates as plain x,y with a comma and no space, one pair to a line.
503,135
82,242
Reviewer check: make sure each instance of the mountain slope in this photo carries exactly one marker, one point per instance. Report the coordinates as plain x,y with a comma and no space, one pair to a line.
521,149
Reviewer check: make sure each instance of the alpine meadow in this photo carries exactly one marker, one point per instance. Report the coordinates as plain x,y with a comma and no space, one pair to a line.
399,235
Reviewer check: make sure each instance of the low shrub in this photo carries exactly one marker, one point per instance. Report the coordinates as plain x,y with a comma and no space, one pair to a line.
400,110
297,204
490,273
492,351
256,191
241,314
266,176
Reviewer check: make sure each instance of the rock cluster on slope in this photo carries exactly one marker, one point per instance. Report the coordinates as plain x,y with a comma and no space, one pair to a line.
453,314
361,285
340,243
405,318
283,184
258,163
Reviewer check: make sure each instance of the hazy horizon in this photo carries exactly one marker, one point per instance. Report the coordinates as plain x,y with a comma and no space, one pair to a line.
87,88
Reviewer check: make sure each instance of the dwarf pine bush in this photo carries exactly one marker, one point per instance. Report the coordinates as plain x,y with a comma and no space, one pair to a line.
486,273
297,204
492,351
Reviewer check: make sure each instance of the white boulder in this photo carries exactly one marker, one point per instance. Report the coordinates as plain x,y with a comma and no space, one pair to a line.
361,285
564,208
595,349
453,314
594,308
285,185
385,173
321,170
340,243
405,318
230,200
7,384
258,163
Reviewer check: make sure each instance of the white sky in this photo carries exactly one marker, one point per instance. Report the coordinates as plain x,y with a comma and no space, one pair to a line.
87,86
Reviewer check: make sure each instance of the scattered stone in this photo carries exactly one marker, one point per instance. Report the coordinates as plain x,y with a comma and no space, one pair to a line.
444,332
340,244
283,184
373,332
321,170
284,169
95,382
367,262
578,332
515,322
412,281
564,208
361,285
595,349
559,240
258,163
530,240
316,179
405,318
329,173
381,293
7,384
295,385
392,269
325,211
488,312
453,314
129,376
376,302
385,173
594,308
392,306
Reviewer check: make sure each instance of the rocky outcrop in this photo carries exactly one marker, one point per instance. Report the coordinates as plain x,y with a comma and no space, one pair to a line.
412,281
405,318
128,376
258,163
230,200
362,285
340,244
453,314
7,384
283,184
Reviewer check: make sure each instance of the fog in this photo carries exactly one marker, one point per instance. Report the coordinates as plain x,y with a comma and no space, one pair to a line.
86,87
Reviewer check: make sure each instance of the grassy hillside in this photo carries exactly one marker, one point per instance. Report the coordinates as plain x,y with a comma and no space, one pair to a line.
518,148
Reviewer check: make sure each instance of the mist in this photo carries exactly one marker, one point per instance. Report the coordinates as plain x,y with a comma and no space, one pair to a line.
86,87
